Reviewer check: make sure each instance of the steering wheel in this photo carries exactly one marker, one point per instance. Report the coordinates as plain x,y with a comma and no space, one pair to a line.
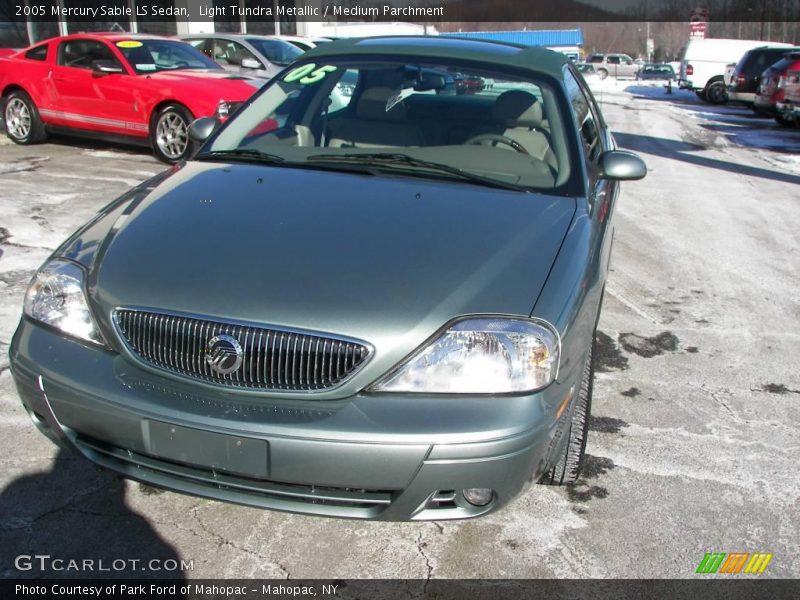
493,139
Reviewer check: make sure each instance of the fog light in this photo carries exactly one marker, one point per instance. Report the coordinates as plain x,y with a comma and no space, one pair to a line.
478,496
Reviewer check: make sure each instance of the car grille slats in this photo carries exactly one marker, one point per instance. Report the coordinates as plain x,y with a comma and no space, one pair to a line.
270,359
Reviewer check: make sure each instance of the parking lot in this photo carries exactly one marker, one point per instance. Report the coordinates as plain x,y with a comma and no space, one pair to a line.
696,418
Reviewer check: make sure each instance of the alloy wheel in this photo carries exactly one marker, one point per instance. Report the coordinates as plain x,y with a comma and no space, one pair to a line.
18,119
172,135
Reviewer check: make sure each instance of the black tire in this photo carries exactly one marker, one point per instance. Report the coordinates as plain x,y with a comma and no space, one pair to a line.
570,461
716,93
169,134
701,94
21,119
784,122
602,73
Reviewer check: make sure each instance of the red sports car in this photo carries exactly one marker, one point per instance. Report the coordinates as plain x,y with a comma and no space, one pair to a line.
132,88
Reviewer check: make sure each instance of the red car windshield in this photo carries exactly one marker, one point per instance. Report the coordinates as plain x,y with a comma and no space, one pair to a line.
149,56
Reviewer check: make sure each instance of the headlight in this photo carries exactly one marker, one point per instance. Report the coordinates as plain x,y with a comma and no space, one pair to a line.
56,298
486,355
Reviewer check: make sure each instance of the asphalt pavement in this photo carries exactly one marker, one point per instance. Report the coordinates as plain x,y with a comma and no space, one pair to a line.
696,418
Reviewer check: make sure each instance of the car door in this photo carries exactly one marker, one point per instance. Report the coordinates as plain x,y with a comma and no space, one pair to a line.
233,56
87,99
627,66
612,64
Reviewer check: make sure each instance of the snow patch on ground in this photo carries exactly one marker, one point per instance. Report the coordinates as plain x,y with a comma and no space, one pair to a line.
107,154
730,125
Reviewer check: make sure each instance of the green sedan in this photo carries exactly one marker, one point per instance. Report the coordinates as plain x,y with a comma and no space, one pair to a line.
374,299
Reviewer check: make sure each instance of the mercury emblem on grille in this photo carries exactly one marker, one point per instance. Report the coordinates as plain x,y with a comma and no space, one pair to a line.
223,354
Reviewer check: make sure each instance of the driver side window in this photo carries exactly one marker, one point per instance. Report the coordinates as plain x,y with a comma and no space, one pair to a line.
585,117
80,54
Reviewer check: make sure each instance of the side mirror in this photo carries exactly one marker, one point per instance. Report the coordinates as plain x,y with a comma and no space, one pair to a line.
201,129
251,63
620,165
106,67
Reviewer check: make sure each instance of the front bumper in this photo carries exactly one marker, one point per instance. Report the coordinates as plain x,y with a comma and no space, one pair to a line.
788,109
388,457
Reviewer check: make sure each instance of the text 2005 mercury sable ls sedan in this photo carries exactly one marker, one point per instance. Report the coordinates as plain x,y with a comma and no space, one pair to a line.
374,305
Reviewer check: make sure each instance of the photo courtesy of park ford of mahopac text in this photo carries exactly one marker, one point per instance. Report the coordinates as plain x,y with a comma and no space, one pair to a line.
355,299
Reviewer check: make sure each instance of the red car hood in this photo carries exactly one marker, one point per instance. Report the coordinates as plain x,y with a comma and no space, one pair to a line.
236,86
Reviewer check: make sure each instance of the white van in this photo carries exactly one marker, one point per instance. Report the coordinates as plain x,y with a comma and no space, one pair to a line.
704,61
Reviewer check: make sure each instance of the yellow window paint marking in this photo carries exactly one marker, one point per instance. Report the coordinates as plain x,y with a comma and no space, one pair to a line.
309,74
129,44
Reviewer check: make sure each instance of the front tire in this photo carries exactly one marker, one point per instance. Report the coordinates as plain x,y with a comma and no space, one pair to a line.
570,462
784,122
21,119
169,134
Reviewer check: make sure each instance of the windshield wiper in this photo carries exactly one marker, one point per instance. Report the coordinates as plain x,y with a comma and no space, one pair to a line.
392,158
257,156
247,154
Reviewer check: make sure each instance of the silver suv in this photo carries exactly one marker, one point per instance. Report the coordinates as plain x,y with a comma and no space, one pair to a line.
618,65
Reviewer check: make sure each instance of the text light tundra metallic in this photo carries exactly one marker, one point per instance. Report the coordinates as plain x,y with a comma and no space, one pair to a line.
407,329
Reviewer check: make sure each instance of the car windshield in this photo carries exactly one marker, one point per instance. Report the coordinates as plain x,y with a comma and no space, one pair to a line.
278,52
148,56
433,120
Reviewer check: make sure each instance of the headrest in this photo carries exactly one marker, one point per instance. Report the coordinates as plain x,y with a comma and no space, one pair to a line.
372,105
516,108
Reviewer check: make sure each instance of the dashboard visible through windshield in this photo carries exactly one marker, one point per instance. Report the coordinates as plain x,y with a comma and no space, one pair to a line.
421,119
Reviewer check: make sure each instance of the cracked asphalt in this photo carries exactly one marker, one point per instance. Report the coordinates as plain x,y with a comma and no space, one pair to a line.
695,430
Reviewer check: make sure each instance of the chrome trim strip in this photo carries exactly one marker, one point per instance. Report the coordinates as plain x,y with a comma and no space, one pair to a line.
58,114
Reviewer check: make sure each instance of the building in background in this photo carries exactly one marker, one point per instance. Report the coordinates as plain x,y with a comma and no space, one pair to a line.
344,30
566,41
18,32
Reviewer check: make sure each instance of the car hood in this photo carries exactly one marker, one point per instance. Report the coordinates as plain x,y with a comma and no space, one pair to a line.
387,260
221,77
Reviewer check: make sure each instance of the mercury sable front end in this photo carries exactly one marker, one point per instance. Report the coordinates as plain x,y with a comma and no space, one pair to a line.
379,305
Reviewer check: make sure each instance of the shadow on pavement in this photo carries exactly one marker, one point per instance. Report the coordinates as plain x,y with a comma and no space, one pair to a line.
682,151
77,512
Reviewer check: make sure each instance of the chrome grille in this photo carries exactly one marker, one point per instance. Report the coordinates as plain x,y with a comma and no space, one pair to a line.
271,359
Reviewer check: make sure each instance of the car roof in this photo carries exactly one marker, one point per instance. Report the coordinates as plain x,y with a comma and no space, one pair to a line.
533,59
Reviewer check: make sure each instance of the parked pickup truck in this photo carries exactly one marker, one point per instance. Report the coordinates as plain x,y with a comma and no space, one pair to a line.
135,89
